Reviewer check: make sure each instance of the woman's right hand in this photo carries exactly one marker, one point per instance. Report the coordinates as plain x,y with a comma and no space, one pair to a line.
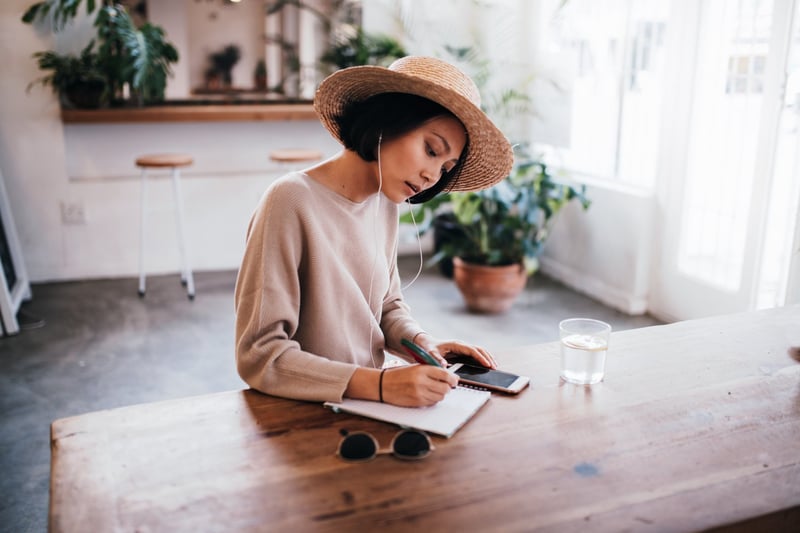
417,385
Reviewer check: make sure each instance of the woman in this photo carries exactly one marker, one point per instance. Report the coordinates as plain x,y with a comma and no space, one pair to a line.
318,296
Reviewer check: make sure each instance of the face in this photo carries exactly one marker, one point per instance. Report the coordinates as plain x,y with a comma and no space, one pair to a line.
417,160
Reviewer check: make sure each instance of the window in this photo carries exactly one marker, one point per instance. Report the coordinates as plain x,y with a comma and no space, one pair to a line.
607,60
723,140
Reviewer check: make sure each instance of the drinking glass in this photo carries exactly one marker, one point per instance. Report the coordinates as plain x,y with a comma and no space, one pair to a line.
584,343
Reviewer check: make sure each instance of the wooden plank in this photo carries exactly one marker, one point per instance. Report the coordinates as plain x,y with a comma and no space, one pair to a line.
695,427
191,113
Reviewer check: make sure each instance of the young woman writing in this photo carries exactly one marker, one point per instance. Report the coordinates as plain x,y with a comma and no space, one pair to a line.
318,296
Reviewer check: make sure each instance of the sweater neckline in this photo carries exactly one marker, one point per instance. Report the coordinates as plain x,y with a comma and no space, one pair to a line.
339,197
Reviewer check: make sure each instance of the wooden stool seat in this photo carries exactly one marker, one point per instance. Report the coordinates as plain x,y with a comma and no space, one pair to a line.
174,162
295,155
164,160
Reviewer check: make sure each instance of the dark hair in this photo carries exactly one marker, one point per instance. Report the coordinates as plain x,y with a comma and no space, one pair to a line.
390,115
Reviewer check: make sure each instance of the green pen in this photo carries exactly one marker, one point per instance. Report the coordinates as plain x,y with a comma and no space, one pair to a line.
420,355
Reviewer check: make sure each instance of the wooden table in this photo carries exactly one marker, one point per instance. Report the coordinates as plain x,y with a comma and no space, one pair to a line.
696,426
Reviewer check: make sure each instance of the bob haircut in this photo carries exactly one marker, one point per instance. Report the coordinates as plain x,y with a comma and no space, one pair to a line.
391,115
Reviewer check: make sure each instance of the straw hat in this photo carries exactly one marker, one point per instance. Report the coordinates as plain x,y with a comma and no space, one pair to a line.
489,157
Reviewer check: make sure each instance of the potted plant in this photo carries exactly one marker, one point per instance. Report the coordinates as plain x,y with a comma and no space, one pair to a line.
78,81
494,237
139,58
222,63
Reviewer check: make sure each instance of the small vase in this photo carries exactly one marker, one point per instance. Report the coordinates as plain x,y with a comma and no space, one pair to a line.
489,289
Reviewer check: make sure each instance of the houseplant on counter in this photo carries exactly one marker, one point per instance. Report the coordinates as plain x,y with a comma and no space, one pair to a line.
221,69
138,58
78,81
497,233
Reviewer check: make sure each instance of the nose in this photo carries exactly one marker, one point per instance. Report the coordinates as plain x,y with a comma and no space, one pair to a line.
431,175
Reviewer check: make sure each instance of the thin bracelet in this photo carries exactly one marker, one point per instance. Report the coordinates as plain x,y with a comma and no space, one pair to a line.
380,385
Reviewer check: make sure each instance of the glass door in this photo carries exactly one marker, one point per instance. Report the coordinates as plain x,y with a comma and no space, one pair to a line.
729,183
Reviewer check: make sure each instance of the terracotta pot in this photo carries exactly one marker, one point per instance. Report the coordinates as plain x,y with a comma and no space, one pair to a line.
489,289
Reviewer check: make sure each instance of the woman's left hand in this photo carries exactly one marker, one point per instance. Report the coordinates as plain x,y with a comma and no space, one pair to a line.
441,349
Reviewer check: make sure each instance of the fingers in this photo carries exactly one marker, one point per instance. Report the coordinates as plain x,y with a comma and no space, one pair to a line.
417,385
481,355
429,345
435,383
439,350
485,358
438,356
443,376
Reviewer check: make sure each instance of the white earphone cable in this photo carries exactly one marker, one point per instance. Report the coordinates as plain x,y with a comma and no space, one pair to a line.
419,246
375,240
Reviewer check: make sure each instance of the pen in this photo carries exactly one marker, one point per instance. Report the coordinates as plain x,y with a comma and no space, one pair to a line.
419,355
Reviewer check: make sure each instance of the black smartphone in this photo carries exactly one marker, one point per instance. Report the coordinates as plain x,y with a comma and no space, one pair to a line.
496,380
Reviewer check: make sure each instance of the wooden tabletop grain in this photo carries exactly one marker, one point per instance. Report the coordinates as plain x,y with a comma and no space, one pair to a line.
696,426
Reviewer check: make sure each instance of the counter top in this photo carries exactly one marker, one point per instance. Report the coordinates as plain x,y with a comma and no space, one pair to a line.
192,113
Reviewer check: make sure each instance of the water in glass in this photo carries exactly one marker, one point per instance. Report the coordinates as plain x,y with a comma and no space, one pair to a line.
583,358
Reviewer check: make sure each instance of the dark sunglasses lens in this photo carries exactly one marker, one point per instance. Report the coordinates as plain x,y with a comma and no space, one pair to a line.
357,447
412,445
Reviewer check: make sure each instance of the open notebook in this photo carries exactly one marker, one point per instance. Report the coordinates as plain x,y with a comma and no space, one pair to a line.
443,418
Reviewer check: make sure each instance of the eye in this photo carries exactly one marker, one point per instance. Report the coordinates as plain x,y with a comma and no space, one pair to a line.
429,150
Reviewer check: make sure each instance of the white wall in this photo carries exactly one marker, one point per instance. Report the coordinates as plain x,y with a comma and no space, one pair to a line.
605,252
31,145
173,17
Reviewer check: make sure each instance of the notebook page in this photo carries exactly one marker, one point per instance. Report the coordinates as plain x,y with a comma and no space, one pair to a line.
443,418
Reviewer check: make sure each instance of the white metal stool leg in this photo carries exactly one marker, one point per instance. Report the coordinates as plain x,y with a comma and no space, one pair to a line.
143,216
186,270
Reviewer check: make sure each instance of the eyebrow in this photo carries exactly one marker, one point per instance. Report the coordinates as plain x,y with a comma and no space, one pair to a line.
446,144
448,149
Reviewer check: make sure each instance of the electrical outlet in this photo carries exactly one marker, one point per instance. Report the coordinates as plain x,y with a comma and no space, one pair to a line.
73,214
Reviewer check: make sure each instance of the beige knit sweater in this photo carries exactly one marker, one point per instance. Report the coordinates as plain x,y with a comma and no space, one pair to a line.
318,290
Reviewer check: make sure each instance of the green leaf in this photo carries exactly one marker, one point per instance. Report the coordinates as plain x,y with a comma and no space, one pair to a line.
34,11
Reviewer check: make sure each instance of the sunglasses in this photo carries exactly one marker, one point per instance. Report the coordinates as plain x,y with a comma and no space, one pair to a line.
408,444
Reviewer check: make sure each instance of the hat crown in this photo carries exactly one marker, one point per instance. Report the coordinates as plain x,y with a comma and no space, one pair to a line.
439,73
489,158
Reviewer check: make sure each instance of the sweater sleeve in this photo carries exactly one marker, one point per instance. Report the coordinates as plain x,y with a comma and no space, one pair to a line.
267,303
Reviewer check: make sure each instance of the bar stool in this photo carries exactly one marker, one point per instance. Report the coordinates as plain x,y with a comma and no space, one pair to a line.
174,162
293,157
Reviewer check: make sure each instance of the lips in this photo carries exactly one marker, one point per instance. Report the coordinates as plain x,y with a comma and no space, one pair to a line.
412,187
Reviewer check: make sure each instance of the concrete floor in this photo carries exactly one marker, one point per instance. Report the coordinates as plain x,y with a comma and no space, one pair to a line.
102,347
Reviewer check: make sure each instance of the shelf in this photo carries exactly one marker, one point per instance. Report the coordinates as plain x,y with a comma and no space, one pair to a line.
192,113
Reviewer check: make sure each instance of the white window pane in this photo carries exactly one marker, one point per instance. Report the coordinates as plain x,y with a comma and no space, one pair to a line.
785,193
722,142
608,55
642,93
587,39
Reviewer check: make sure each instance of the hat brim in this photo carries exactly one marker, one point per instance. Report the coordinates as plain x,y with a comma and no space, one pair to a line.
489,157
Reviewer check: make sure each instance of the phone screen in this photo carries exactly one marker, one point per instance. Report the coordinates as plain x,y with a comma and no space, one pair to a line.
486,376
